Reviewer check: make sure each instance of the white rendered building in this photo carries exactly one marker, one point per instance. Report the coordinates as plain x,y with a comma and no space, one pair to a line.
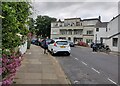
75,29
113,34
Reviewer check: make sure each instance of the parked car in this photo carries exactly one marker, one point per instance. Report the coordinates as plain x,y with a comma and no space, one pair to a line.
71,44
82,44
59,46
99,45
47,42
35,42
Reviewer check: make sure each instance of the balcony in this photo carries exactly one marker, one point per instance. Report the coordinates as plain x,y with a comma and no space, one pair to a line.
88,34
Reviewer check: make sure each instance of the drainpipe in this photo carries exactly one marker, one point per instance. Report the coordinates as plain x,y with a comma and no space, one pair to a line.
95,38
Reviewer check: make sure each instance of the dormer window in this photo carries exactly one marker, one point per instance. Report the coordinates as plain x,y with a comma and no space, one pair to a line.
97,29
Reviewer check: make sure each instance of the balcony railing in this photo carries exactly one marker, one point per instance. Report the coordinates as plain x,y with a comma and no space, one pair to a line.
88,34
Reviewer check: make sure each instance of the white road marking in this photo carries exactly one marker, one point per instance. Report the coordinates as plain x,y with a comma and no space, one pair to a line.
111,81
76,58
95,70
84,63
71,55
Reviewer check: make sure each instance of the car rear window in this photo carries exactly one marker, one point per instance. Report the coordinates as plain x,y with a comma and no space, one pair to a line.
62,42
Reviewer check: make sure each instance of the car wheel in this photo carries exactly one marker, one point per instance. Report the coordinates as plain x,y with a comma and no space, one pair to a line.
52,53
68,54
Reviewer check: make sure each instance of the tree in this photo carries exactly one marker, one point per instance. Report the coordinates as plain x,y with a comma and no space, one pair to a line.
16,15
43,24
14,23
31,26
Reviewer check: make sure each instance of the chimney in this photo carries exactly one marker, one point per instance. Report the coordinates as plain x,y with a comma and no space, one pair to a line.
99,18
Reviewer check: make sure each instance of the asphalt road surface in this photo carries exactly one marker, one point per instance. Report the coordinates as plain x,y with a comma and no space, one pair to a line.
86,67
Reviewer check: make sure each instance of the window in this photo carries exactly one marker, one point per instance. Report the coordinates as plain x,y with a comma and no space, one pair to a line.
81,24
56,25
89,32
69,38
97,29
89,40
63,32
77,32
62,42
77,23
106,29
52,41
62,37
69,32
115,42
60,25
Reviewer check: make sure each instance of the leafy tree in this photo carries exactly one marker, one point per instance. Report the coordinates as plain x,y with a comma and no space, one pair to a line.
16,15
44,25
31,26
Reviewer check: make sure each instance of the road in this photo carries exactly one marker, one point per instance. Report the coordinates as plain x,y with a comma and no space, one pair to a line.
86,67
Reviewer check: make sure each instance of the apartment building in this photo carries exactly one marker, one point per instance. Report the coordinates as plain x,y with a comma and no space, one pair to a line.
75,29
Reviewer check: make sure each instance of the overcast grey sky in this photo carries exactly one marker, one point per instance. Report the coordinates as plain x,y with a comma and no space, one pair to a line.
61,10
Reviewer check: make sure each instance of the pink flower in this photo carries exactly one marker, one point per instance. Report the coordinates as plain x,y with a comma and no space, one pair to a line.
0,70
3,69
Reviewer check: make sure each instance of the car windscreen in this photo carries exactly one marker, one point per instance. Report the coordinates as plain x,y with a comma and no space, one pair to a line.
62,42
48,41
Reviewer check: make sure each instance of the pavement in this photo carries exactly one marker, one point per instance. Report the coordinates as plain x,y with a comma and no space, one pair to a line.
39,68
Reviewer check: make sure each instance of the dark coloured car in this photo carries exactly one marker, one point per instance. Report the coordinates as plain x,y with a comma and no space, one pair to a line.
47,42
71,44
35,42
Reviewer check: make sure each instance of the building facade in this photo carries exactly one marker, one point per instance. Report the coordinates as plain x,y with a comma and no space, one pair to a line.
75,29
89,30
113,34
109,33
100,32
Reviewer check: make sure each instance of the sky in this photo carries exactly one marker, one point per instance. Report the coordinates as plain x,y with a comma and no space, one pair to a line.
77,9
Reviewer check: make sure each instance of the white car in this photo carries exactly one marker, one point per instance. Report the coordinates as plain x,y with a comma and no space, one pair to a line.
59,46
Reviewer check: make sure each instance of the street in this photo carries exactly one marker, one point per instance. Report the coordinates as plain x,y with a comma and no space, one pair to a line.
86,67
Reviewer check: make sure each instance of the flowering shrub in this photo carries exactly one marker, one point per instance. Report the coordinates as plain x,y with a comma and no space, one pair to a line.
9,67
82,44
14,25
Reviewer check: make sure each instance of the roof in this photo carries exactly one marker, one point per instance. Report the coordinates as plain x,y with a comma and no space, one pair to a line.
115,17
72,18
90,19
59,21
101,24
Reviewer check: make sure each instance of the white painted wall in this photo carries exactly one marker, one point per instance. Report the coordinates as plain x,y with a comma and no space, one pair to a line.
102,33
23,48
113,29
55,31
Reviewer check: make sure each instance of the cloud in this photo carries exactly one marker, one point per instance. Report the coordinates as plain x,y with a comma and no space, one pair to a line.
74,0
76,9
